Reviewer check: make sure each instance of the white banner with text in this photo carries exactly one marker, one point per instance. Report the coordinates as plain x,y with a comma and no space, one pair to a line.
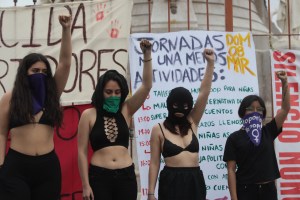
178,61
287,144
100,31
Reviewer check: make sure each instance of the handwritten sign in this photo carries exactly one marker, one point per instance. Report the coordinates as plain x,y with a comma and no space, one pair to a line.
178,61
100,31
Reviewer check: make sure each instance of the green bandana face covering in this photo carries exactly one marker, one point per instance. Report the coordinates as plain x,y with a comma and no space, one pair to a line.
111,104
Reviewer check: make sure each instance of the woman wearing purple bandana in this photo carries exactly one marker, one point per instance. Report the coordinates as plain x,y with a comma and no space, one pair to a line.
31,170
249,152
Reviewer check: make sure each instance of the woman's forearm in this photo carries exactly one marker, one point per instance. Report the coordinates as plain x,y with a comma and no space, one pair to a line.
232,184
285,96
207,80
147,70
66,47
83,168
153,174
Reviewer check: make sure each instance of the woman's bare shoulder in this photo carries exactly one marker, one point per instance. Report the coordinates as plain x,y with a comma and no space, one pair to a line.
89,113
6,97
156,129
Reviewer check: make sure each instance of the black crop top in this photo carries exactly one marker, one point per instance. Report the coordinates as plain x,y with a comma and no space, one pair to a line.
109,131
43,120
170,149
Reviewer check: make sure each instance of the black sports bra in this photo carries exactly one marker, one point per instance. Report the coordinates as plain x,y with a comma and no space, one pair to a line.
43,120
170,149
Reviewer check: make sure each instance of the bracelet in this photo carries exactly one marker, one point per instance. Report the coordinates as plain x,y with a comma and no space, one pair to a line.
147,60
150,194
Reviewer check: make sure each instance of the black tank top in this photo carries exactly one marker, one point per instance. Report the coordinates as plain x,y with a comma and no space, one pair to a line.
109,131
170,149
43,120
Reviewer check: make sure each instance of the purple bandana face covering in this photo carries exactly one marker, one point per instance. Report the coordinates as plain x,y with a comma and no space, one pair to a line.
37,84
252,124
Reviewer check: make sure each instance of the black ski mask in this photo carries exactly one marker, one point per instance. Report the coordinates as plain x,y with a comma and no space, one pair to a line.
180,96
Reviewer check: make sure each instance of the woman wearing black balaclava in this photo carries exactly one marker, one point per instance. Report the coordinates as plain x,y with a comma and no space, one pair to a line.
110,175
31,169
249,152
176,140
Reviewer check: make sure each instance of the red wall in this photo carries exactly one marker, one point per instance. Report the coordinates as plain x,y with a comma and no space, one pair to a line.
65,140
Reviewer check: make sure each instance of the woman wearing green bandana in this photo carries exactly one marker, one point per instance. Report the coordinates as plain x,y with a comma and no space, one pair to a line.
110,175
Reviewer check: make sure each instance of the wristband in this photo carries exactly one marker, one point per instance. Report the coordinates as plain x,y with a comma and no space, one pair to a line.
147,60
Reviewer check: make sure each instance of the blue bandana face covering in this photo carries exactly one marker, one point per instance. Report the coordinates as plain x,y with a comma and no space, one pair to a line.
111,104
252,124
37,83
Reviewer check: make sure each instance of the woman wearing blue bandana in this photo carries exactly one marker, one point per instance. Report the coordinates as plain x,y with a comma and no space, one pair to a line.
110,175
31,169
249,152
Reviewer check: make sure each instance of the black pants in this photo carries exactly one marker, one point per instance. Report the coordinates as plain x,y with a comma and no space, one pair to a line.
265,191
25,177
181,183
113,184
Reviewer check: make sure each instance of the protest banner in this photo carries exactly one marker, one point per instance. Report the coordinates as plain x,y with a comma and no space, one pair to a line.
100,31
178,61
287,143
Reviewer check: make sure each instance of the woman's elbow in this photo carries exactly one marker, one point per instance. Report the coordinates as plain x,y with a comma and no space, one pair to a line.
147,87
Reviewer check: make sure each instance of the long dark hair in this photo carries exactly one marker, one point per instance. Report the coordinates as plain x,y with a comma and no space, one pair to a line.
247,101
21,102
98,98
